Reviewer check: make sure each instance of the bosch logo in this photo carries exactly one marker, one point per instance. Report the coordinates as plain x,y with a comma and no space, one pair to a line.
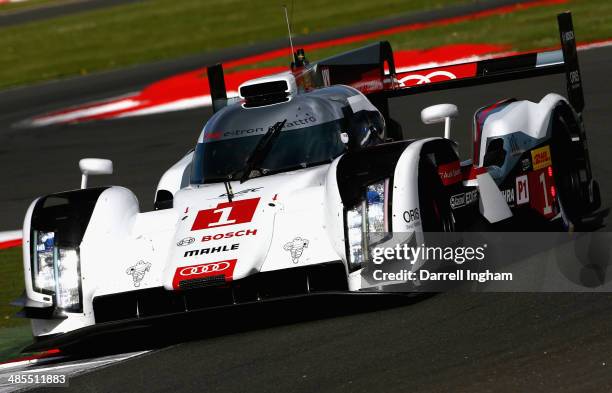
227,235
186,241
202,269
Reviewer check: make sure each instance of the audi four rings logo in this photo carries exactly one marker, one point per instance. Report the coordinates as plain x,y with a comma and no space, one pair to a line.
427,78
202,269
186,241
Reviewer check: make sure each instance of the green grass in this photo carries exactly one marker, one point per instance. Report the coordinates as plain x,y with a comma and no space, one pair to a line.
15,332
11,271
162,29
12,340
11,7
523,30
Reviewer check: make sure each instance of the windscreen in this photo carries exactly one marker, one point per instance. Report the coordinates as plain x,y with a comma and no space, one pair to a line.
219,158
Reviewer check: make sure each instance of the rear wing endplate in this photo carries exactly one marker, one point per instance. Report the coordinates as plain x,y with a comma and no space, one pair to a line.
570,56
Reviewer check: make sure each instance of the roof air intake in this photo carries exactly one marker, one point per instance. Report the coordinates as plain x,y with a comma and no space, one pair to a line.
267,90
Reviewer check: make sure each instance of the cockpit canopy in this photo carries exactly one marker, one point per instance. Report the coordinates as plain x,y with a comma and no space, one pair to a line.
311,134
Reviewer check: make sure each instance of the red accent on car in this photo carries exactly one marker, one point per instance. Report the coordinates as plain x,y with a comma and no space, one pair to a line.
225,268
226,213
472,172
213,135
450,173
542,193
438,74
370,82
479,119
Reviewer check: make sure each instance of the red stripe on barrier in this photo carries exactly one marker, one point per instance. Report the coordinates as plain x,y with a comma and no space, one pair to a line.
193,84
10,244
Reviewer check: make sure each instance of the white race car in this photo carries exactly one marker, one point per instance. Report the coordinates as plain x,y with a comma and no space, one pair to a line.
285,184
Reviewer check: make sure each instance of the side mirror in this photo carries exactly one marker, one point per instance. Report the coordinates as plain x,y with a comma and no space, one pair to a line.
94,166
438,114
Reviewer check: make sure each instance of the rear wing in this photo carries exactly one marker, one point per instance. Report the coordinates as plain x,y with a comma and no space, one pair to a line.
371,70
502,69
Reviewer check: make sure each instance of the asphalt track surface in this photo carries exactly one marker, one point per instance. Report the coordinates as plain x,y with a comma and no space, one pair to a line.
449,342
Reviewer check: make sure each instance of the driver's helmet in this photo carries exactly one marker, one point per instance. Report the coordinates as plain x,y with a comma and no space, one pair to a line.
369,128
366,122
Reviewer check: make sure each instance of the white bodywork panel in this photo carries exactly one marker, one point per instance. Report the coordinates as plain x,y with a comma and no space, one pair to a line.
528,117
177,176
493,205
27,268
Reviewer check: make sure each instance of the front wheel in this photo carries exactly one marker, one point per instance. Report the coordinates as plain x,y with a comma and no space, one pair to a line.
435,211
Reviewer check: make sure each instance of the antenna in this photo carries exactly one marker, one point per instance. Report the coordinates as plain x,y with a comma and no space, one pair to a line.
289,30
228,189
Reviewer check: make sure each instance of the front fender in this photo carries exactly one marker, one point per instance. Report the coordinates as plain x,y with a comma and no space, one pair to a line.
399,162
67,215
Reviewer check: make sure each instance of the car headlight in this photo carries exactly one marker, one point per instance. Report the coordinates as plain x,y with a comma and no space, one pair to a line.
56,271
370,216
68,293
354,224
377,217
43,269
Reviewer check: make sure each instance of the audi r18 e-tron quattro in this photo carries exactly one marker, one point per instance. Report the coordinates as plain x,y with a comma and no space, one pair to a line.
286,182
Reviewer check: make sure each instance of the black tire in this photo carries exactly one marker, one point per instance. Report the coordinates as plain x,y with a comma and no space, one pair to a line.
435,211
566,158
